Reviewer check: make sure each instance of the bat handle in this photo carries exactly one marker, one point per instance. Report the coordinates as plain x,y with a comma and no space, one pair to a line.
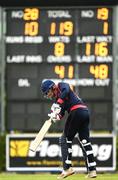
51,120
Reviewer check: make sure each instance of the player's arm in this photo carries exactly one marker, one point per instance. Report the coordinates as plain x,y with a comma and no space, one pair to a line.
64,89
57,109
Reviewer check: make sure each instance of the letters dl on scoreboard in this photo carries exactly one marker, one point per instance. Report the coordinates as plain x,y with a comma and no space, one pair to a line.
70,44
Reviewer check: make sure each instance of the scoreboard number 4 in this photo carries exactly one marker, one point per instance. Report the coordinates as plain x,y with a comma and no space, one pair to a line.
60,70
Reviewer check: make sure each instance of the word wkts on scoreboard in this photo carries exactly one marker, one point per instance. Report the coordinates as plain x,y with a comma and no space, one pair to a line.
73,45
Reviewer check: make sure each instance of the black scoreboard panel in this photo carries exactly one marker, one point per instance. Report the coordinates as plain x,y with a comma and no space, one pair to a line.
73,45
24,80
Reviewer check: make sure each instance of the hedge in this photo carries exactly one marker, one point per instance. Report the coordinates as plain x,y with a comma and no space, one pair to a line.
117,154
3,154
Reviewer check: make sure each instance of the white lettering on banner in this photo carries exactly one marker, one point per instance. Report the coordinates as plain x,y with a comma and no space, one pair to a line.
101,152
85,82
59,14
104,59
30,39
87,59
102,82
34,59
52,59
26,59
92,39
92,58
16,59
87,13
104,38
53,150
54,39
80,82
31,154
23,82
17,14
14,39
43,148
24,39
84,39
104,152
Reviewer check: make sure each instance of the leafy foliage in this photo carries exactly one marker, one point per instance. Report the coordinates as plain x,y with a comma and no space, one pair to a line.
2,153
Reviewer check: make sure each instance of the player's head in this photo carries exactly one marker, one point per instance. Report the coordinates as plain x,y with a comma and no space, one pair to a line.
47,88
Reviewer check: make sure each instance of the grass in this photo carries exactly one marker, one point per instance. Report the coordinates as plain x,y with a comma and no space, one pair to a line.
14,176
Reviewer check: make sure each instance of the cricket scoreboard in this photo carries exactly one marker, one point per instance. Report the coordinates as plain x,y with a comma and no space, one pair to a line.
73,45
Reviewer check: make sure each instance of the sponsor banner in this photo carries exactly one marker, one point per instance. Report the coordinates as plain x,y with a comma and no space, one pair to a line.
48,155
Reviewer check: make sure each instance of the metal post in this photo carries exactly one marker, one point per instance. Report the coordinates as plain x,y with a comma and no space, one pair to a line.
115,70
2,72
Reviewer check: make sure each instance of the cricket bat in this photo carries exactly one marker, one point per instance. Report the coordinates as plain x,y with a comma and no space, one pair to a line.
41,134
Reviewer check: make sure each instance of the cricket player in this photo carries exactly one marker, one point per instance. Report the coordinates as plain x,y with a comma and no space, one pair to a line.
65,99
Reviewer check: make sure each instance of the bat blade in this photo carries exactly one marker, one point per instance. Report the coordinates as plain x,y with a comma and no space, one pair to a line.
41,134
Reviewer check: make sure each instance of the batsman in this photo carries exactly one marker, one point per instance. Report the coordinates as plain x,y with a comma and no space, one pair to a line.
65,99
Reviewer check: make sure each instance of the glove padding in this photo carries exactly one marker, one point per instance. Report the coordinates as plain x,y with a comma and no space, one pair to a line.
55,108
54,117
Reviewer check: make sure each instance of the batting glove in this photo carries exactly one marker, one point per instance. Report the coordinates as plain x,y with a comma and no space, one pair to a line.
55,108
54,117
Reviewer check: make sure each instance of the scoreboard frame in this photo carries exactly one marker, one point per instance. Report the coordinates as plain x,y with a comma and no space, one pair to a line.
88,50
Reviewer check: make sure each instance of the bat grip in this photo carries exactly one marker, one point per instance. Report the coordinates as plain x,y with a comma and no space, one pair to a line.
51,120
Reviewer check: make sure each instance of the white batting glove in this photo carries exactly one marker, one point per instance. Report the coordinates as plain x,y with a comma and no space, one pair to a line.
54,117
55,108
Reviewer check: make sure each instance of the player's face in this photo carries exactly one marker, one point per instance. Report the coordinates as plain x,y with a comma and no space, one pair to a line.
50,94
